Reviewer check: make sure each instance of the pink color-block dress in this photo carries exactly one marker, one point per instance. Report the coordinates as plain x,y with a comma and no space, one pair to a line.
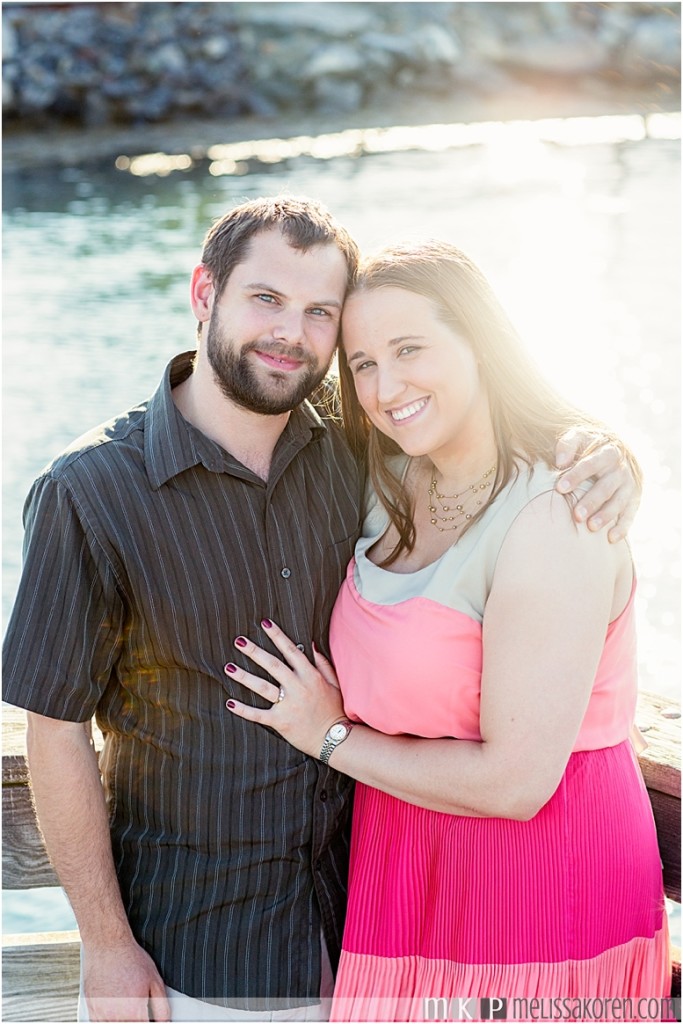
447,907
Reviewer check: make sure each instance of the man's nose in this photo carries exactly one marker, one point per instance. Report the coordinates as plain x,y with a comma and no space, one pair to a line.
290,326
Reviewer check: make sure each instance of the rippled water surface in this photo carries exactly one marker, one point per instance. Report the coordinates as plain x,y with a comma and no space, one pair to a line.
579,237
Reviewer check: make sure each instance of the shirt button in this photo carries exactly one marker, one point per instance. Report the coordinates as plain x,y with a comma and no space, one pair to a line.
300,647
318,865
323,795
285,573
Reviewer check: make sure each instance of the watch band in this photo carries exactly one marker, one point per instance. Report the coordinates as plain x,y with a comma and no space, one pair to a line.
335,735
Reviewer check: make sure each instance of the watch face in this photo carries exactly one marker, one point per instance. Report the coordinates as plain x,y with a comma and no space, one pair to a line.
337,732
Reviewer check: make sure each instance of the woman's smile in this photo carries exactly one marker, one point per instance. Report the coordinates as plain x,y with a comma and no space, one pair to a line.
407,412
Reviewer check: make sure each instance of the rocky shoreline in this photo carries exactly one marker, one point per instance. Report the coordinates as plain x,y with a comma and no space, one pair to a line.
26,147
85,82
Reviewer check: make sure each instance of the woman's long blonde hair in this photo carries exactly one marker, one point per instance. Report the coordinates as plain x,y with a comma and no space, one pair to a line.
527,414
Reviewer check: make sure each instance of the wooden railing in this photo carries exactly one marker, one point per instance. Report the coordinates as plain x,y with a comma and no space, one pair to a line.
40,972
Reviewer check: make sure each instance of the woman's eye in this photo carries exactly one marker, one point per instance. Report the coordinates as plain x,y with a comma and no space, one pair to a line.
407,349
363,366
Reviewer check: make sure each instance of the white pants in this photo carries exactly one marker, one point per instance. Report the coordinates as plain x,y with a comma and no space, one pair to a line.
185,1008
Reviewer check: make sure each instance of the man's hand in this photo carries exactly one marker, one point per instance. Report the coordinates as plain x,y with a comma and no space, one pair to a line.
614,497
122,983
120,979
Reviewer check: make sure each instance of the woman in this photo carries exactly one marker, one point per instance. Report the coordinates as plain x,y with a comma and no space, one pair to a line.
503,842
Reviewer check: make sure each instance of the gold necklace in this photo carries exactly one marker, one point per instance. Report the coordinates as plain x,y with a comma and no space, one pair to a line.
460,514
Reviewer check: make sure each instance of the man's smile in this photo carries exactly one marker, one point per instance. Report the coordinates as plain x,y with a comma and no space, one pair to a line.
279,362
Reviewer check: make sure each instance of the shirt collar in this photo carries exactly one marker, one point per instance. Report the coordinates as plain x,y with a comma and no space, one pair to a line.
173,445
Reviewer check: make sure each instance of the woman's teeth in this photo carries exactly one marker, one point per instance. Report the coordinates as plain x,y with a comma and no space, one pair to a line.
408,410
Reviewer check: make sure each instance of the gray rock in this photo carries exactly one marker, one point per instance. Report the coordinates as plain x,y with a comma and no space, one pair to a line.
286,59
333,96
216,47
338,59
168,59
113,66
11,72
39,88
78,30
156,22
331,19
35,96
380,64
49,25
10,40
216,16
410,15
115,32
76,72
394,44
436,43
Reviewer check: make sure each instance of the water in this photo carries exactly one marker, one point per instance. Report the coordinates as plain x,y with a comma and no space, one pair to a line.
575,223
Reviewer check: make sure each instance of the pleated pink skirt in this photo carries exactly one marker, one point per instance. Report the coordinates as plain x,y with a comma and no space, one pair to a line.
444,907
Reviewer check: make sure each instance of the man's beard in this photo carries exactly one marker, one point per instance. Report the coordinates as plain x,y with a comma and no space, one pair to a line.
237,380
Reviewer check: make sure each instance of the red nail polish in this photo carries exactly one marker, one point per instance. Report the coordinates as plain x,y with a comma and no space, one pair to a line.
241,641
266,623
230,704
230,667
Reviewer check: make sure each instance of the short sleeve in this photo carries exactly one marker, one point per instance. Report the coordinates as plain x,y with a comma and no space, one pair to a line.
66,626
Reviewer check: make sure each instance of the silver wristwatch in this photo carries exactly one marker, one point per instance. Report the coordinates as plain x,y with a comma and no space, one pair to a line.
335,735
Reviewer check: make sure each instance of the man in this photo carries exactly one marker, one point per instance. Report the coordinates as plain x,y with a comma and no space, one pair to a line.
208,876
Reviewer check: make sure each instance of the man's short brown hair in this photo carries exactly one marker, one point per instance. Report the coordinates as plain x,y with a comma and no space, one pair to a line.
304,223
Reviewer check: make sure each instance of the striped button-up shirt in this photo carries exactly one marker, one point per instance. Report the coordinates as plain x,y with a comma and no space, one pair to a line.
148,549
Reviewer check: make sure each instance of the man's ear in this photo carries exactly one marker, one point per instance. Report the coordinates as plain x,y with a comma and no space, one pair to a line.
202,293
